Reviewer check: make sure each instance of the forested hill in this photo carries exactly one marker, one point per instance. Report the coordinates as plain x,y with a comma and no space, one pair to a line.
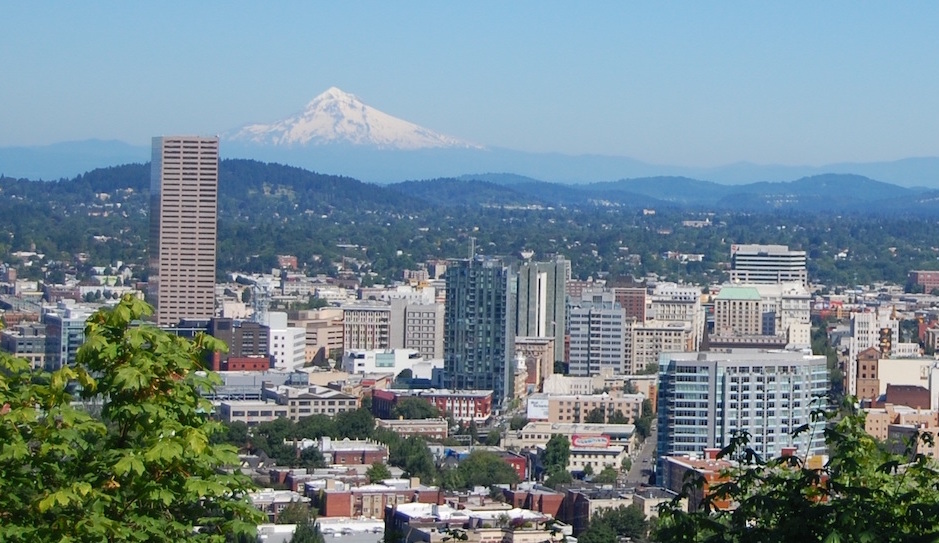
856,230
829,193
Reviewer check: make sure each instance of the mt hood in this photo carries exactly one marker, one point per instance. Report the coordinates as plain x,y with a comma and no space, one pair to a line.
338,117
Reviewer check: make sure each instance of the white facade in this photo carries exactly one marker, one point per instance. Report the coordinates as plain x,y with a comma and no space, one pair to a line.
705,398
922,372
767,264
333,295
380,361
790,305
866,331
287,343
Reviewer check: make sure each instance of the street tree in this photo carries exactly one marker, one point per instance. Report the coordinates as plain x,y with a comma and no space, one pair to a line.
597,415
415,408
377,472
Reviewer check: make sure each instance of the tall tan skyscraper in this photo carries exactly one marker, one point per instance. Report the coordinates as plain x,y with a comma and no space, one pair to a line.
183,227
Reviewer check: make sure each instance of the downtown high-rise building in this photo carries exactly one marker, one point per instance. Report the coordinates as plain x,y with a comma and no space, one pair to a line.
183,227
479,326
706,398
542,301
767,264
599,332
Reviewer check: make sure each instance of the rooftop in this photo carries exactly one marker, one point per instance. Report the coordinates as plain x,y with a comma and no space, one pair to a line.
739,293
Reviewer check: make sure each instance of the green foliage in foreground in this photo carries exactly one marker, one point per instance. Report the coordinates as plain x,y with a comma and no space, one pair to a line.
146,471
865,493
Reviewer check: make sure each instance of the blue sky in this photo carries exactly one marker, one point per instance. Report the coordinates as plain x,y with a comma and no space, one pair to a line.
682,83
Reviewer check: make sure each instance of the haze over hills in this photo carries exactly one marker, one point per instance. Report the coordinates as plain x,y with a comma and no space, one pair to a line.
338,134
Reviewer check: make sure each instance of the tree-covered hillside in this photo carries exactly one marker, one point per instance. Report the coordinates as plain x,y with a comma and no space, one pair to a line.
268,209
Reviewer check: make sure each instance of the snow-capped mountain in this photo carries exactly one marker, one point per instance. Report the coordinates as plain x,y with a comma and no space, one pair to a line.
338,117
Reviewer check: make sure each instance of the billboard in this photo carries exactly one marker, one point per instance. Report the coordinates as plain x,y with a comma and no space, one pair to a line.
537,409
595,441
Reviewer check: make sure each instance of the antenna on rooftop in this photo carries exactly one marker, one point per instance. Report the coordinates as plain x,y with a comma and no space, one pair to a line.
472,247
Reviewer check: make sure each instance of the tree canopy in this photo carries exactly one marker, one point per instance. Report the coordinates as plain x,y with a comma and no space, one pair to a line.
609,524
377,472
415,408
147,470
484,468
867,491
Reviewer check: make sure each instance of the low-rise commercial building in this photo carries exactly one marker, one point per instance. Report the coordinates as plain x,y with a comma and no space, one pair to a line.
26,341
537,434
251,412
462,405
435,429
575,408
370,501
311,400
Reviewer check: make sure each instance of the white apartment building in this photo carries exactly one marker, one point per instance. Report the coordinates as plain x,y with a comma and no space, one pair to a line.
287,343
334,295
704,398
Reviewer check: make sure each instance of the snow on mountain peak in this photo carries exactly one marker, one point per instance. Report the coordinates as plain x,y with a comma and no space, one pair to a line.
336,116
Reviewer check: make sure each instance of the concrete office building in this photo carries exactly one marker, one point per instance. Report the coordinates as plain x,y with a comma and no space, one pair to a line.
704,398
767,264
183,228
598,331
65,332
417,325
25,340
324,329
366,326
479,327
651,338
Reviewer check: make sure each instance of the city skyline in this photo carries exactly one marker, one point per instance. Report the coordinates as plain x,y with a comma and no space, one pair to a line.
677,84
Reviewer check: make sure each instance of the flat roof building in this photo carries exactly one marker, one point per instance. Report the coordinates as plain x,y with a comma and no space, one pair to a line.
706,398
183,228
767,264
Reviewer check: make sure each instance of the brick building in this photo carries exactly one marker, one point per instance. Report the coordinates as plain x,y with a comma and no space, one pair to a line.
928,279
676,469
371,500
352,452
535,497
462,405
247,344
868,383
